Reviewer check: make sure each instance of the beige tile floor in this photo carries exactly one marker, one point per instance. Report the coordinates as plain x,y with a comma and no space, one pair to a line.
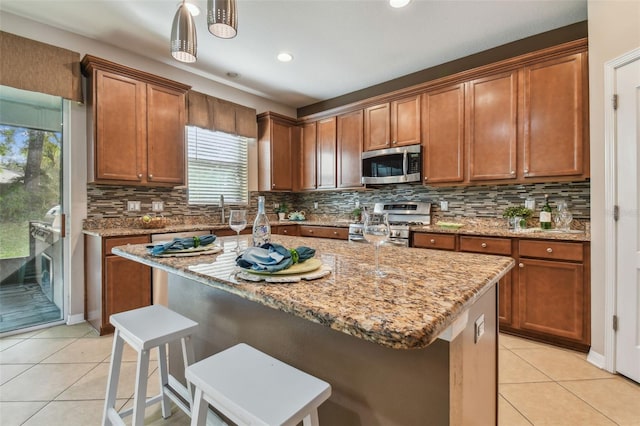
58,376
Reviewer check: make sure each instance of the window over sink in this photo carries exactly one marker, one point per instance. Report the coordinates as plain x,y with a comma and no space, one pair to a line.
217,165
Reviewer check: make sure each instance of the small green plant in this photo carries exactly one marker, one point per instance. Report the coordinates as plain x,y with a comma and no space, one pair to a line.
356,213
517,211
282,208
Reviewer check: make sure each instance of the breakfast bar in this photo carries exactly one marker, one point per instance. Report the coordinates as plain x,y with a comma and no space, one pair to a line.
416,347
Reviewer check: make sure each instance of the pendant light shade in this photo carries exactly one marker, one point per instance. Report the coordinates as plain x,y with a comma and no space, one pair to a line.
222,18
184,42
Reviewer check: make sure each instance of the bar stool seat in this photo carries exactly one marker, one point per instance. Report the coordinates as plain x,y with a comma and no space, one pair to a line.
252,388
144,329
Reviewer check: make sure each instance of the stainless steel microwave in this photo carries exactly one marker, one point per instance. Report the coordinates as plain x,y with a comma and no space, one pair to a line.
392,165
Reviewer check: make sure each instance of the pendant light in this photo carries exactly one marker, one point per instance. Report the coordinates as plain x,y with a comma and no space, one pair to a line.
222,18
184,42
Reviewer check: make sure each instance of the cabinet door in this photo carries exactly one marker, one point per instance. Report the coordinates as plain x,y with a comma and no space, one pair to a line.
281,164
349,149
127,285
405,121
377,127
552,298
443,135
326,153
165,135
120,128
553,117
492,127
505,303
308,157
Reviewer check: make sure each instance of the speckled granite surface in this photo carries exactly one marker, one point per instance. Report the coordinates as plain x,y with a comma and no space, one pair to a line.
423,293
471,226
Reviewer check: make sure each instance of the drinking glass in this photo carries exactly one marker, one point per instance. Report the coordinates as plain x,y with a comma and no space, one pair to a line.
237,222
376,231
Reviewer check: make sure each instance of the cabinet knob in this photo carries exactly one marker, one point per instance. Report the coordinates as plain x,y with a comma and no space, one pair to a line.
526,171
335,232
150,176
432,241
311,231
425,178
139,175
393,142
284,231
513,172
549,250
521,265
273,185
483,245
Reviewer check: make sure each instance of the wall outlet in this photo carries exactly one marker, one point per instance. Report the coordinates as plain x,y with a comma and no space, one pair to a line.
276,205
133,206
444,206
530,203
157,206
315,204
478,328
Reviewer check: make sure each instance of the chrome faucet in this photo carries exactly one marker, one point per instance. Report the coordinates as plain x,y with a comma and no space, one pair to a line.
221,205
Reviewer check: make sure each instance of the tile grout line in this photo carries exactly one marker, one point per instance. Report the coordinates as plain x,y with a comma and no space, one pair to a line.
585,401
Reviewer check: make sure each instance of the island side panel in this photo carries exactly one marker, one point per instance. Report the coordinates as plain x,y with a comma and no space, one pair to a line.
474,366
371,384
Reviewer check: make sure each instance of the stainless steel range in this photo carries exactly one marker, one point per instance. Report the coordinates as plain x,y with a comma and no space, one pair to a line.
401,216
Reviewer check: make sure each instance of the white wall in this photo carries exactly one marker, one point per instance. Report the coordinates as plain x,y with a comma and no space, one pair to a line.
76,193
614,28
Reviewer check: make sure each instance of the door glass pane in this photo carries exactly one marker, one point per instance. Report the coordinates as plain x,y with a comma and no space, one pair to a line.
31,281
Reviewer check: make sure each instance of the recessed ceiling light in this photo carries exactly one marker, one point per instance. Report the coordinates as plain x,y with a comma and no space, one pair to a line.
192,8
399,3
285,57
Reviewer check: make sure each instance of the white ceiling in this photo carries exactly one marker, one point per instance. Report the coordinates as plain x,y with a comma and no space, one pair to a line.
339,46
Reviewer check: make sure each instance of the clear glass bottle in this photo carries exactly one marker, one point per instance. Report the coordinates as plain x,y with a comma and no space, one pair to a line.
545,214
261,227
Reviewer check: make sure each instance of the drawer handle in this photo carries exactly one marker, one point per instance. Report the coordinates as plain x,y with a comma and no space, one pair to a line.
311,231
335,232
549,250
432,241
483,245
521,265
284,231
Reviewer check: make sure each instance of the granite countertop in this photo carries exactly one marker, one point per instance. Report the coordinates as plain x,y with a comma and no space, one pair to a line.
424,292
481,227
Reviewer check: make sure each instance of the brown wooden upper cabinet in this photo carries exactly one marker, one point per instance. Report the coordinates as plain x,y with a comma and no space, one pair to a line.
443,135
554,117
349,149
277,147
136,126
308,155
326,160
492,126
391,124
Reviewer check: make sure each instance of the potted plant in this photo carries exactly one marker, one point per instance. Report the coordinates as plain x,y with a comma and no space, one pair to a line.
356,214
517,216
282,210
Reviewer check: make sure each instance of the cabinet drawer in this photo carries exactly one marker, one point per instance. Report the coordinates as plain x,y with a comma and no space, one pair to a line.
434,241
488,245
551,250
112,242
291,230
324,232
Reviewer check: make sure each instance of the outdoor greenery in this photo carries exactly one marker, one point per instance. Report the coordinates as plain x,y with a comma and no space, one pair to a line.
34,155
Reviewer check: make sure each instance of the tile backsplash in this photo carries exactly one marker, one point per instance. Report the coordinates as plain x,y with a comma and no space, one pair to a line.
487,201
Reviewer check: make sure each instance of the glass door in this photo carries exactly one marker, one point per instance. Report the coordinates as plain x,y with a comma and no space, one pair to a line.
31,219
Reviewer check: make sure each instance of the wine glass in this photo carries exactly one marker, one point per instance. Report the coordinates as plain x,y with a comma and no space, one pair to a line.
376,231
237,222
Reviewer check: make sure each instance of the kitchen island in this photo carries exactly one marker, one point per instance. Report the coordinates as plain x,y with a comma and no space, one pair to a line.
416,347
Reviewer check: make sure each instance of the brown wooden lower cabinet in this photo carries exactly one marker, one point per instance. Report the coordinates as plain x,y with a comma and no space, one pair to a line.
112,283
291,230
324,232
546,297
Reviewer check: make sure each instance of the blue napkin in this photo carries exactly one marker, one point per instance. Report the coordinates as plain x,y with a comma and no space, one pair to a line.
181,244
272,257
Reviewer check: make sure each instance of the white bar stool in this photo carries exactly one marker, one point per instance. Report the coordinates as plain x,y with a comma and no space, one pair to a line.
144,329
252,388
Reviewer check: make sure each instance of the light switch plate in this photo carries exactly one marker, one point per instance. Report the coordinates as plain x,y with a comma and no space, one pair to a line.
157,206
444,206
530,204
133,206
478,328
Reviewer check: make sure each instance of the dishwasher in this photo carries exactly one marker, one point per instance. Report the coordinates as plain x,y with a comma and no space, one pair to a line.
159,278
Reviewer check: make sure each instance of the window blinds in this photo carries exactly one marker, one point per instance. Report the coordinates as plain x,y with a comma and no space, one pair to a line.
217,165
